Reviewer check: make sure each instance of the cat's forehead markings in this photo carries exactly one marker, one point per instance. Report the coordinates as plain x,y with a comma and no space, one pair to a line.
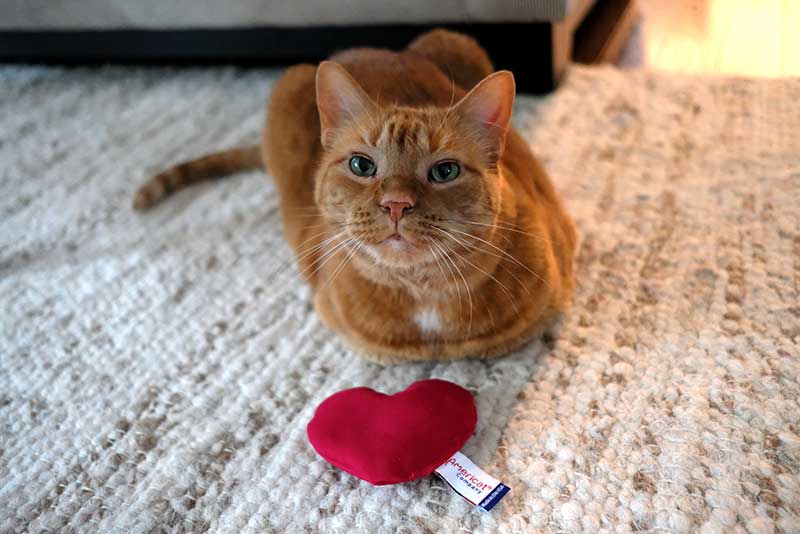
402,131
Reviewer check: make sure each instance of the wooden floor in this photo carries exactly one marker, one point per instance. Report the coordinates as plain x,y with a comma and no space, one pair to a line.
744,37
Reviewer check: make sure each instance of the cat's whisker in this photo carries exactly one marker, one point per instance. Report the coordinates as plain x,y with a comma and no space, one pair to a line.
476,248
453,274
318,225
489,309
306,209
333,236
450,107
501,227
444,251
313,237
499,234
504,253
438,263
503,287
337,244
302,254
325,258
304,216
350,255
506,222
340,227
469,246
504,226
283,269
503,221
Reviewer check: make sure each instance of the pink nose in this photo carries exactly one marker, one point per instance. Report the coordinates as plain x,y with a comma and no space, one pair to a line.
396,209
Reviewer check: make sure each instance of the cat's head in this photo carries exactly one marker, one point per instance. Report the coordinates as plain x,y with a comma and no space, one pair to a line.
405,185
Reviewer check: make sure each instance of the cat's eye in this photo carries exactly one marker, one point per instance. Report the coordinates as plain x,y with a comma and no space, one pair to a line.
444,171
362,166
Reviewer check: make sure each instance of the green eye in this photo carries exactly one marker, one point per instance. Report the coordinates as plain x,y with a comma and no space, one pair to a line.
446,171
362,166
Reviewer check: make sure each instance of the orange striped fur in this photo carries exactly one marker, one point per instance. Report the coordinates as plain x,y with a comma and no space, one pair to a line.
190,172
404,267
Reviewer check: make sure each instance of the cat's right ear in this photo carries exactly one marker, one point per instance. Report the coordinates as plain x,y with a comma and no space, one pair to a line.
339,98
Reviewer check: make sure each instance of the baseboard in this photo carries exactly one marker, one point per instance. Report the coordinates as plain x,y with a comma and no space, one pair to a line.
537,52
522,48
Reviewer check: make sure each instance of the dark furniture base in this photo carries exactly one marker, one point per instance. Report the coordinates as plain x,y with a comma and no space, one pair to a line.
537,53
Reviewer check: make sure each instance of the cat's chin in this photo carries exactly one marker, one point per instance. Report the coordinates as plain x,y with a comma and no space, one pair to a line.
398,252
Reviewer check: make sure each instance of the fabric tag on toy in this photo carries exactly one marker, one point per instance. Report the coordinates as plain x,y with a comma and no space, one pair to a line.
472,482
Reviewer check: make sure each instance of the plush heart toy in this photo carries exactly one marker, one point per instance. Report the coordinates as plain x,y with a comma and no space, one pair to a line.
387,439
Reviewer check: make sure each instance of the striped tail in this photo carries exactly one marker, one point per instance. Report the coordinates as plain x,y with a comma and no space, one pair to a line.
203,168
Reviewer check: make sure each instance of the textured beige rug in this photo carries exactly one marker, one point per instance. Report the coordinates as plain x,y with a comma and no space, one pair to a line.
157,371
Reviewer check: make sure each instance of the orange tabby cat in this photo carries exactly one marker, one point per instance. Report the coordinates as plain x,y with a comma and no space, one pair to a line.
442,236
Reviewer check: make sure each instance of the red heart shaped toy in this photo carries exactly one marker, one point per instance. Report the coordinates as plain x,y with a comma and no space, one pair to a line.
387,439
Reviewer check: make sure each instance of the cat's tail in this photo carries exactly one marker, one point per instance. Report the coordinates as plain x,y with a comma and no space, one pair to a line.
210,166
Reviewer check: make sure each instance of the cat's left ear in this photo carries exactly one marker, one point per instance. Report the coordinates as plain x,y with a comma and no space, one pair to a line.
488,107
339,98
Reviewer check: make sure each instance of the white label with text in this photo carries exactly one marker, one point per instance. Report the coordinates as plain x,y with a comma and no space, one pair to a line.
472,482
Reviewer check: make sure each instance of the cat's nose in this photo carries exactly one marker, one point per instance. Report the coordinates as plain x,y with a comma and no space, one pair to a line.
396,208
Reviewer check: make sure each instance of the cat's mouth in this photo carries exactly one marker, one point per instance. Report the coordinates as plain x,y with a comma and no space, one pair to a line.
397,249
398,242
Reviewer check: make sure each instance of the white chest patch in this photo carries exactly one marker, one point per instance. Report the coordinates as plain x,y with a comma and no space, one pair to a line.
427,319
